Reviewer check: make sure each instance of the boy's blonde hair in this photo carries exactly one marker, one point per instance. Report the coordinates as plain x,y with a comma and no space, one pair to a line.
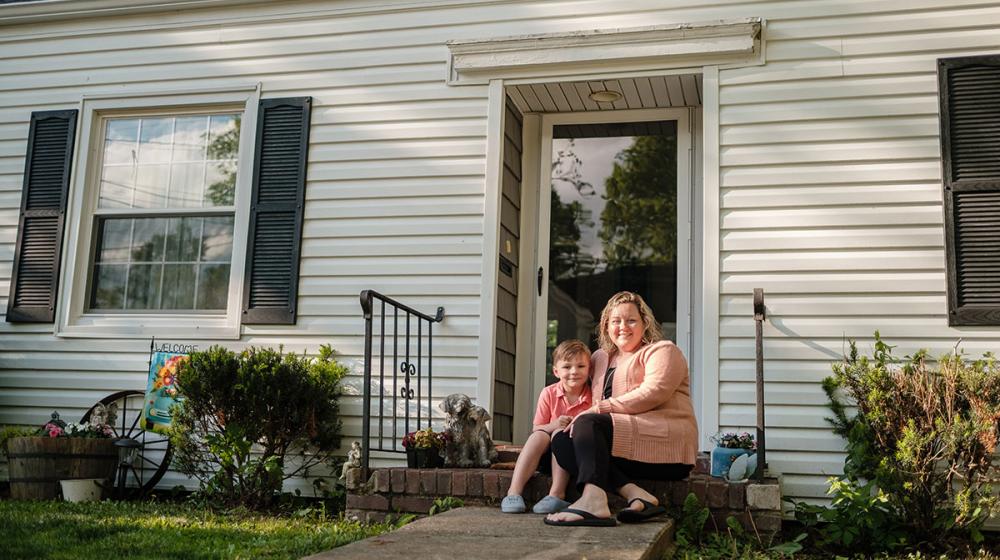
651,329
568,349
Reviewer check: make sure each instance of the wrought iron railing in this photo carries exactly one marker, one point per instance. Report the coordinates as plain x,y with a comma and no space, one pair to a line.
759,315
408,364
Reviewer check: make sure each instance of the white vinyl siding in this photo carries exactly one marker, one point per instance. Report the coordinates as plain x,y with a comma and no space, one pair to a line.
830,181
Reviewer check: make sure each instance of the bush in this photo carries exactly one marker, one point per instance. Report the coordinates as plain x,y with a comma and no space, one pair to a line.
249,421
919,450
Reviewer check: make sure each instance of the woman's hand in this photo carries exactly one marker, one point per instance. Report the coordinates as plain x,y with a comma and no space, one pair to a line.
665,369
569,427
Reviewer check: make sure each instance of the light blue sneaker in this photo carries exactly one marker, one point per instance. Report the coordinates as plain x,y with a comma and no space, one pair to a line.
513,504
550,504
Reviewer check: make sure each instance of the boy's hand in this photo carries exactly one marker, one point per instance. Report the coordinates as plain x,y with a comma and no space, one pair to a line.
564,421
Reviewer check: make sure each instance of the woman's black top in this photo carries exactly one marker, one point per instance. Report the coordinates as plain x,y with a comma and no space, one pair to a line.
608,375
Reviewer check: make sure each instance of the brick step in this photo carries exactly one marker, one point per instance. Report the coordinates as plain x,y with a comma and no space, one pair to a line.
509,453
756,504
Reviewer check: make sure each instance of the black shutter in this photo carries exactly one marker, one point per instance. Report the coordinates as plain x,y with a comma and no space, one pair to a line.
47,165
279,183
970,149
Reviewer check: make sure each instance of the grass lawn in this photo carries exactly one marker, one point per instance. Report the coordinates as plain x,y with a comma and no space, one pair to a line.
112,530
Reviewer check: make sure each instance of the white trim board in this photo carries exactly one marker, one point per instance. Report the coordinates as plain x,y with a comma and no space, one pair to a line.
709,422
491,235
628,50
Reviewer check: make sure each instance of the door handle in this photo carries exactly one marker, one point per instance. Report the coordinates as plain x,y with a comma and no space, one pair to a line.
541,275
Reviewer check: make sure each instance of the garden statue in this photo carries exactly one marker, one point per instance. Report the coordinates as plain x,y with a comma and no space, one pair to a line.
104,415
470,444
353,460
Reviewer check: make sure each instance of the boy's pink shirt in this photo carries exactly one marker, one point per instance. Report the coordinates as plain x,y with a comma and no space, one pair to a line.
552,404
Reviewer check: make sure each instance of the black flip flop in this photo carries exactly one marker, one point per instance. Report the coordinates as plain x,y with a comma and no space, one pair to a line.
649,510
589,520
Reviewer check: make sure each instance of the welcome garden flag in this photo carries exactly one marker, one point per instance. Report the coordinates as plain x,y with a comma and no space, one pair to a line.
161,390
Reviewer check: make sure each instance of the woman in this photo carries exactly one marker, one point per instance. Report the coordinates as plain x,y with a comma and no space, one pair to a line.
642,425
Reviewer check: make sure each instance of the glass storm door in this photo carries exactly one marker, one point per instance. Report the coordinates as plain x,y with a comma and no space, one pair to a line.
616,221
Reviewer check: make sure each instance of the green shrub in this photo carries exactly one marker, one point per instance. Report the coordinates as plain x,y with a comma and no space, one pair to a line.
248,421
9,432
732,541
920,438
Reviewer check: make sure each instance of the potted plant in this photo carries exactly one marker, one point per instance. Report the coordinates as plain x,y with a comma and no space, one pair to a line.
728,447
59,451
424,448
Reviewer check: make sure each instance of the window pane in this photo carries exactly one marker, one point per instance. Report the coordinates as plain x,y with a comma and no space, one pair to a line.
178,286
143,286
224,137
187,182
190,136
151,186
183,240
213,285
170,162
117,183
155,139
115,241
173,262
221,180
109,286
217,243
148,239
120,140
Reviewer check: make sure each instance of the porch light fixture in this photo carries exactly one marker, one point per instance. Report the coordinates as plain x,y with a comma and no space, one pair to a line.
606,96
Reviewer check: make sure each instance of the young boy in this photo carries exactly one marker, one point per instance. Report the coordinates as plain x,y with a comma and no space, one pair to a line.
557,405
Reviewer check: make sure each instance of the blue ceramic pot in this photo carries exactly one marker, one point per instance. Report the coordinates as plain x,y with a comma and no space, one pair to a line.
722,459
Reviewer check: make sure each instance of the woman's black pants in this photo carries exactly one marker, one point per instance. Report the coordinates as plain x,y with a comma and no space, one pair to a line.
587,457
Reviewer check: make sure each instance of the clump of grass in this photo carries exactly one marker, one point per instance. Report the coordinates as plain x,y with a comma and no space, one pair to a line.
60,530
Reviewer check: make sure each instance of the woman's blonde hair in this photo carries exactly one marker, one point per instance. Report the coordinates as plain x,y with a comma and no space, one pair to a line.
651,329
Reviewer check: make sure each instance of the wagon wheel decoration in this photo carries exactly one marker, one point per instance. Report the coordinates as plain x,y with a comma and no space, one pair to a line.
152,458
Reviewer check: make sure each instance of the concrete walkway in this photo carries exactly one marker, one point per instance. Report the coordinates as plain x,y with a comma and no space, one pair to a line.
487,534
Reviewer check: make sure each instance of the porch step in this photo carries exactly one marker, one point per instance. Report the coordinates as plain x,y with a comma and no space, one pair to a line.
484,532
507,454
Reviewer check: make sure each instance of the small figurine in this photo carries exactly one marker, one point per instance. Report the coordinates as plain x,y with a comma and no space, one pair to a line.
353,459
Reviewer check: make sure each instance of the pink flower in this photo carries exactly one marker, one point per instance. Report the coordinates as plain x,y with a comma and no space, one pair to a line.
54,431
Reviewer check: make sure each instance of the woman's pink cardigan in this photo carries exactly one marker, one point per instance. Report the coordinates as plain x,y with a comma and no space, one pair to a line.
650,405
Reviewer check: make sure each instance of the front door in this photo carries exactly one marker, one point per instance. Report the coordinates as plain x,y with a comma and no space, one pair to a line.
614,215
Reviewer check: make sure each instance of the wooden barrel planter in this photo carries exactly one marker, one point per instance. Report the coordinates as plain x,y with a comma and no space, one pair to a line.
37,464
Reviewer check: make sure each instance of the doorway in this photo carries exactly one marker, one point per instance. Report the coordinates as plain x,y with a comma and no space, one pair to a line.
614,213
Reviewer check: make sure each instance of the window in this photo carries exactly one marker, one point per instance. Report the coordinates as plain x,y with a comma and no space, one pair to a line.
158,216
183,217
970,148
165,217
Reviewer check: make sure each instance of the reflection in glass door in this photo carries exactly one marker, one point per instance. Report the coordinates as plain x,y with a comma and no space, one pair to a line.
613,225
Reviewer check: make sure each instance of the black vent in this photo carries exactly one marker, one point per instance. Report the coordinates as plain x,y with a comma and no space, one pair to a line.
970,148
47,165
276,211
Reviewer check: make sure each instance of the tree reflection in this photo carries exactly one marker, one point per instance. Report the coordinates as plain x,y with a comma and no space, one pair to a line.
224,147
639,221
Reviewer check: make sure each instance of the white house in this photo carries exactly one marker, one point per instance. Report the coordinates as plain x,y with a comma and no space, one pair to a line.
427,149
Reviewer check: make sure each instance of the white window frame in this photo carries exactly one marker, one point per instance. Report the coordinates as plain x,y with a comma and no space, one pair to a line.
73,317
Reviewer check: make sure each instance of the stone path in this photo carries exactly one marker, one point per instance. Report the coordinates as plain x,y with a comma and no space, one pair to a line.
485,533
